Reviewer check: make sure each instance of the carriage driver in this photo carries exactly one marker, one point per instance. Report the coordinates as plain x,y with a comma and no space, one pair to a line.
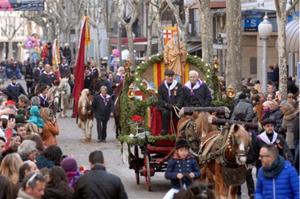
196,92
170,94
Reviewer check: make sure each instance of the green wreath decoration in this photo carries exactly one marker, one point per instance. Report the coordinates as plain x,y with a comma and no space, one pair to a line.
131,106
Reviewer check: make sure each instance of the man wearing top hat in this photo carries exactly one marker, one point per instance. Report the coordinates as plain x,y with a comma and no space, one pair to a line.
170,94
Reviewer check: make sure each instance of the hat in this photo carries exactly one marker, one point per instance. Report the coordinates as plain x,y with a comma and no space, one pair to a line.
69,164
267,121
10,103
13,78
181,143
169,72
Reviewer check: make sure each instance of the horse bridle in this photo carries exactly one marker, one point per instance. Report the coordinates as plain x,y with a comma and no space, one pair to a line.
232,143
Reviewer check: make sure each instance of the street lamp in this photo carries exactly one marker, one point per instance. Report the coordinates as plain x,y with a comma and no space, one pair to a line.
264,31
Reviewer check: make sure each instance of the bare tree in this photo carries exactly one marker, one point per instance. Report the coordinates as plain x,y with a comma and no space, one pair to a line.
206,24
181,23
134,7
9,28
233,31
156,8
281,14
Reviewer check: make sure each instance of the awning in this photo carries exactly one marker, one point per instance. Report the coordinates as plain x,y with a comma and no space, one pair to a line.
292,36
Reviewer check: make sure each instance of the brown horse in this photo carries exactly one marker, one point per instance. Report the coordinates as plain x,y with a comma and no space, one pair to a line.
117,108
222,156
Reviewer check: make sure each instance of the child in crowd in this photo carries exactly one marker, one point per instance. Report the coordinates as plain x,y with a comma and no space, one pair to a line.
182,168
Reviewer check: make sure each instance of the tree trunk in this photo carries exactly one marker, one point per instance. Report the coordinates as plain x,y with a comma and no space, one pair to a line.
130,44
10,49
233,31
206,24
160,38
282,55
149,41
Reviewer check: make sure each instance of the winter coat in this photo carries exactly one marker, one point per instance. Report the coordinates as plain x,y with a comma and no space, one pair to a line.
289,116
166,99
37,73
197,97
184,166
47,78
42,162
23,195
99,184
245,108
63,192
284,186
49,133
102,109
258,142
13,91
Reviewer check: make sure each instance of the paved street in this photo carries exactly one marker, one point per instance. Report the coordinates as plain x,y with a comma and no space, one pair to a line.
69,141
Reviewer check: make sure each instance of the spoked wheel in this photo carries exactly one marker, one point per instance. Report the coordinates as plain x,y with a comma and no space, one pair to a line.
148,172
137,170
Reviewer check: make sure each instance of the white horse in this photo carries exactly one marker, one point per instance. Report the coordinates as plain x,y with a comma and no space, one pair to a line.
85,114
64,92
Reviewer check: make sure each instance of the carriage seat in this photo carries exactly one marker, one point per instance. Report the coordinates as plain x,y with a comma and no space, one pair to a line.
156,124
162,146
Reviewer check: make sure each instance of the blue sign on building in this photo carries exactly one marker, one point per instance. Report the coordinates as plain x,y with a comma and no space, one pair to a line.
251,24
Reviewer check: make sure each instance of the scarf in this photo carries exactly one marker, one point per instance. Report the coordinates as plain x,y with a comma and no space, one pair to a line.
274,169
264,137
105,99
171,87
196,86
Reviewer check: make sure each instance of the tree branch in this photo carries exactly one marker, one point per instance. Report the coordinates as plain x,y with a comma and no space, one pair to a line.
292,6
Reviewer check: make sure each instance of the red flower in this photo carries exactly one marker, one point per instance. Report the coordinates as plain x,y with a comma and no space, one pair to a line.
137,118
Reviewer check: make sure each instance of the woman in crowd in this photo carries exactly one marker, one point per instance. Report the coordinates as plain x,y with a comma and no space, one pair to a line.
51,156
70,166
50,130
57,187
7,190
10,166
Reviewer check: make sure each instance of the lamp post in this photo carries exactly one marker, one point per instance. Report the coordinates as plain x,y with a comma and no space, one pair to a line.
264,31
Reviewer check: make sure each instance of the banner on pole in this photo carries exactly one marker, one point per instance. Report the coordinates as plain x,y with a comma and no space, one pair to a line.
168,32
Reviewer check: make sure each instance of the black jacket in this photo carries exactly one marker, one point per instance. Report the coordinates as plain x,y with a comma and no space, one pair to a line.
99,184
65,70
199,97
14,91
37,73
62,192
176,98
257,143
47,78
100,109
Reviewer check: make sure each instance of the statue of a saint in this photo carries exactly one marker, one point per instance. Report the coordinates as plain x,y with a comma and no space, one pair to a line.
175,55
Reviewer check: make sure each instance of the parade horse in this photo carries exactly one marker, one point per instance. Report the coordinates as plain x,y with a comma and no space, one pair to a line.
85,114
117,91
197,190
64,92
222,155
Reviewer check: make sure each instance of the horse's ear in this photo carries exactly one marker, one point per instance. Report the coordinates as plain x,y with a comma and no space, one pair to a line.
236,127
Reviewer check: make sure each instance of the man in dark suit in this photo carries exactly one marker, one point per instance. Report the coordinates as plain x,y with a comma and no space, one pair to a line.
102,107
170,94
98,183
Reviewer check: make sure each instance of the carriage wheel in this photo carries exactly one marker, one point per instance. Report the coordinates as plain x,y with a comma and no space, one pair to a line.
148,172
137,170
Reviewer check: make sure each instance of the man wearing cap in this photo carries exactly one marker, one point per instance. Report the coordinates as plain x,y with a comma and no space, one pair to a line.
268,137
14,90
170,94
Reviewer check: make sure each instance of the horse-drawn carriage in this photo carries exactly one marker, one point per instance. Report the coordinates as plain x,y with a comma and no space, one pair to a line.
148,151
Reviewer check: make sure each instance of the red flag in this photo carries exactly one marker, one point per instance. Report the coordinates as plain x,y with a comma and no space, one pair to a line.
79,69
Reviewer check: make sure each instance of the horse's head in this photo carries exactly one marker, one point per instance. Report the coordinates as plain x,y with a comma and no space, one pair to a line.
239,142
